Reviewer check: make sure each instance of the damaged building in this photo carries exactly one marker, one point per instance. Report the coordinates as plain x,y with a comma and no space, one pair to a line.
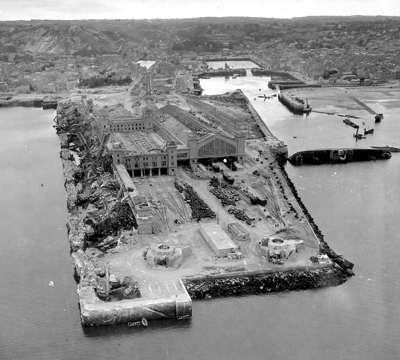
146,147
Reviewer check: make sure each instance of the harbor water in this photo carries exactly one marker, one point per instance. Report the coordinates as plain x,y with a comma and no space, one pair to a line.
356,206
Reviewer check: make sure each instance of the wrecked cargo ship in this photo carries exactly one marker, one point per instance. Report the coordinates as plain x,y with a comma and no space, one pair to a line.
334,156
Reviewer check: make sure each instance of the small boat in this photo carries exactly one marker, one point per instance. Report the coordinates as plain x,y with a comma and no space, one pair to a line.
359,136
350,123
142,322
184,317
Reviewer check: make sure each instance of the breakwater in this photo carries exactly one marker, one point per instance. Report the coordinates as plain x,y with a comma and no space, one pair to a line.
345,265
291,279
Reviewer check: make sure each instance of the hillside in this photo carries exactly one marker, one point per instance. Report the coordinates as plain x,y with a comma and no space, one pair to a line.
59,39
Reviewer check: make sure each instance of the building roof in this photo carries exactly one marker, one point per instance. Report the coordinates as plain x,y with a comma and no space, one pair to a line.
218,237
238,228
117,113
137,143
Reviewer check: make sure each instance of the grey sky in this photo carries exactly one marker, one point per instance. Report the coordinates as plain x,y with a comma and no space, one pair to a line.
150,9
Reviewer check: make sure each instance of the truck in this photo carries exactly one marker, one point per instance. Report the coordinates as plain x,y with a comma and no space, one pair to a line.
215,167
228,178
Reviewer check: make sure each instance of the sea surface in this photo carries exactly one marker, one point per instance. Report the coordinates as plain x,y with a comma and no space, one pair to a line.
356,206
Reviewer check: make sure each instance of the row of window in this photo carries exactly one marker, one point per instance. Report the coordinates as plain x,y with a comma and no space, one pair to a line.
146,158
146,164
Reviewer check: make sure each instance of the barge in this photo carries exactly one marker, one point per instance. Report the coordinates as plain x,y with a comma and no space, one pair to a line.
350,123
334,156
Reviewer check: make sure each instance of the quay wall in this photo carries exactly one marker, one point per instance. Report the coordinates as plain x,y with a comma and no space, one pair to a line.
296,86
263,127
31,102
224,72
97,312
272,84
238,58
275,73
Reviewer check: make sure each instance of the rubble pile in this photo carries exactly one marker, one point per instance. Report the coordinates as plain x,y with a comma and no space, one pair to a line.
90,272
89,183
120,217
246,285
76,233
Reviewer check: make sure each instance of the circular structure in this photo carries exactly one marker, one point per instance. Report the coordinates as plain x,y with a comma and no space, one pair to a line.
164,255
279,248
277,241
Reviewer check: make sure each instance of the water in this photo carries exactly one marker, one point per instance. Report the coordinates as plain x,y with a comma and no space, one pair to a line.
355,205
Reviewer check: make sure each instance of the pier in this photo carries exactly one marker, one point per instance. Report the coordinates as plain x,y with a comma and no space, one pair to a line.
295,105
150,268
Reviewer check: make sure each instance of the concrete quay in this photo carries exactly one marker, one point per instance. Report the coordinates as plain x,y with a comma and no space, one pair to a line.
159,299
276,146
